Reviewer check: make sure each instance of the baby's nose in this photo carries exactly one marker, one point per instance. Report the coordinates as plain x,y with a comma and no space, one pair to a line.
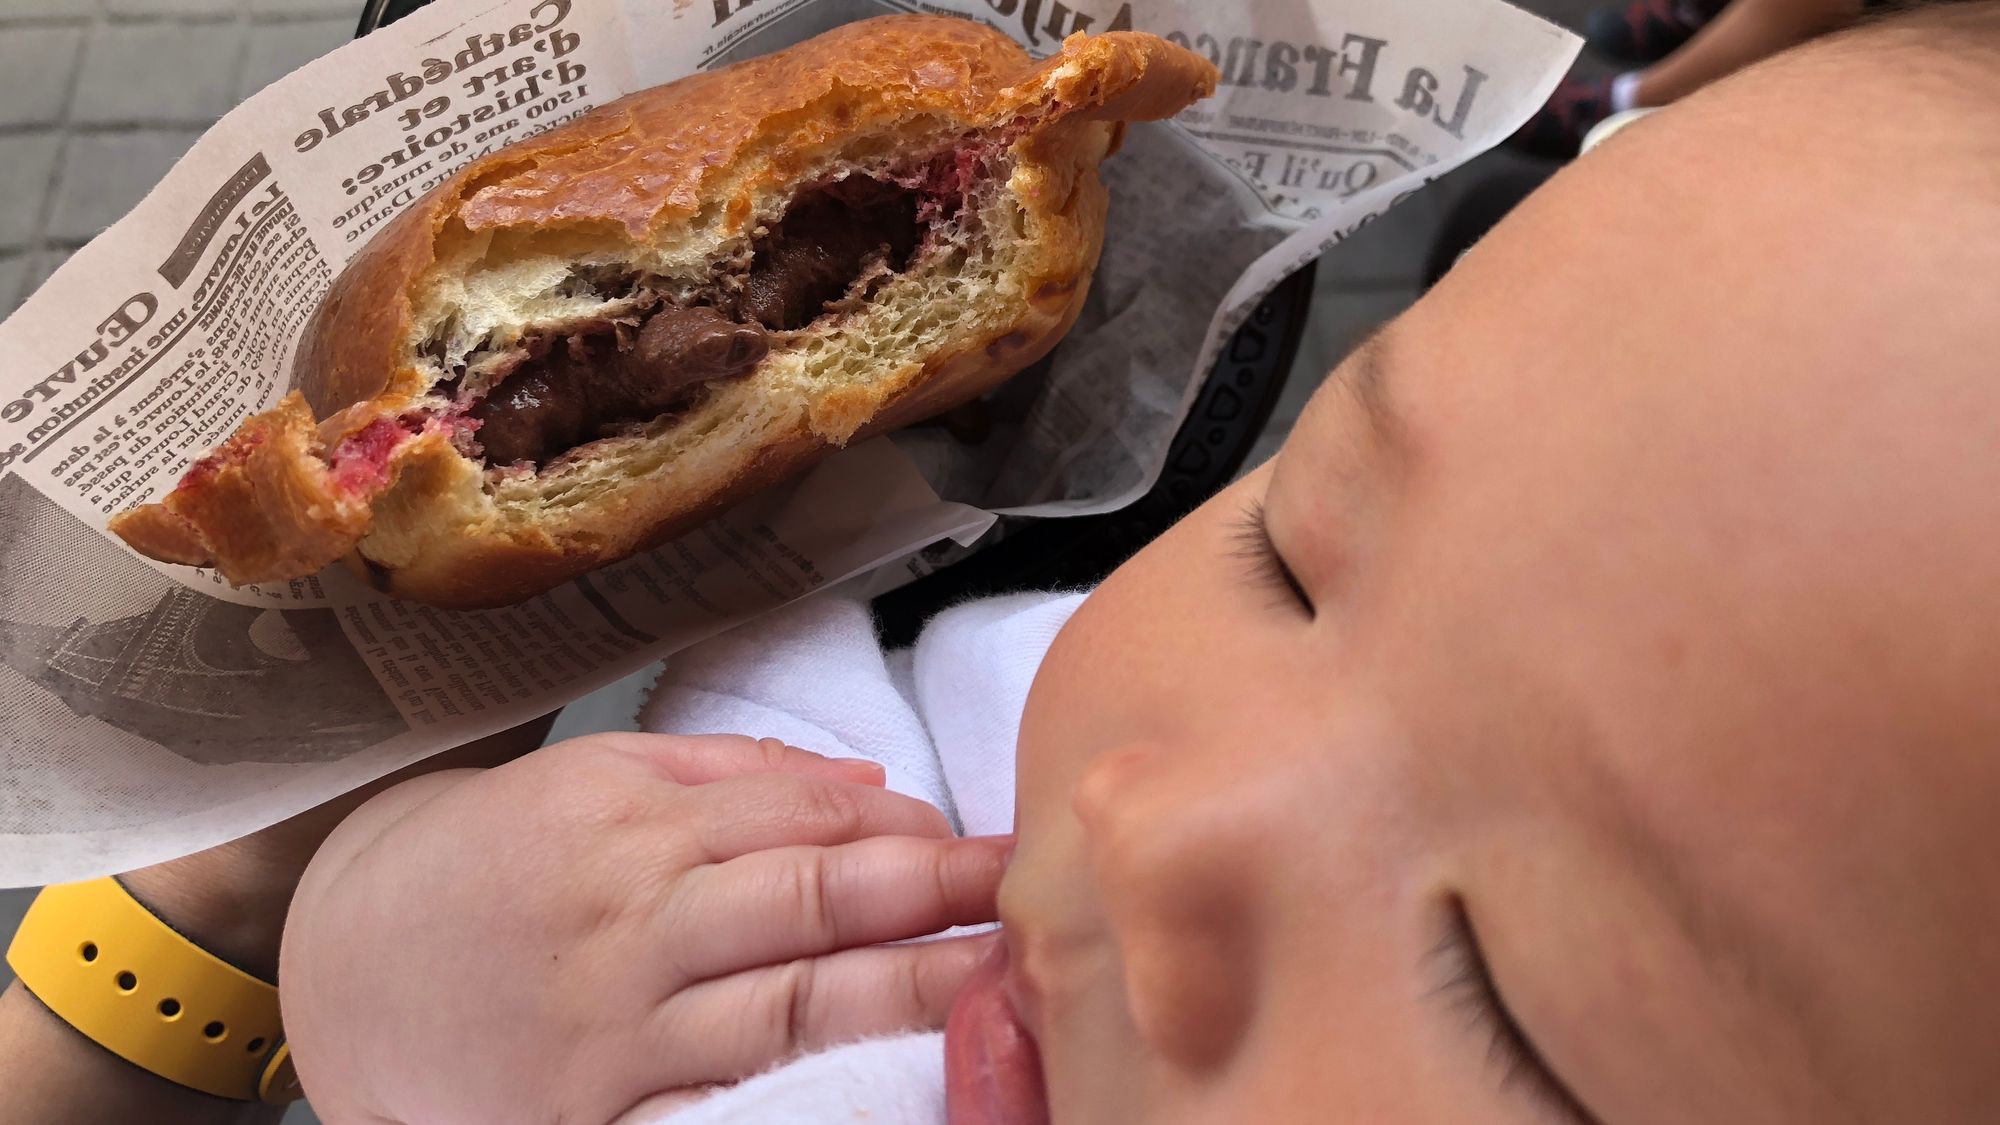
1177,858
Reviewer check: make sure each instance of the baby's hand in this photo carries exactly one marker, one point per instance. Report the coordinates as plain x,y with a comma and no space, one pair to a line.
568,935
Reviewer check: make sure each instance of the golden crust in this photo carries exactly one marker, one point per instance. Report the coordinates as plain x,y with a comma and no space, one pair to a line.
636,165
257,506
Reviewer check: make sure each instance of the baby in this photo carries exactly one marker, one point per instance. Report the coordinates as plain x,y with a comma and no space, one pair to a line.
1583,719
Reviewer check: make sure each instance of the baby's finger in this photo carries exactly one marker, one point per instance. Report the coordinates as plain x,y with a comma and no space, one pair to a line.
739,815
787,903
700,759
736,1026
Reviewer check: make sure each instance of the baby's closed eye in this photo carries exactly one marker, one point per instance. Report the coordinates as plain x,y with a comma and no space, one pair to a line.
1465,983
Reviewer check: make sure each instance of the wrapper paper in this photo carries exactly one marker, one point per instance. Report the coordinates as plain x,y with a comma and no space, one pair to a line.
148,711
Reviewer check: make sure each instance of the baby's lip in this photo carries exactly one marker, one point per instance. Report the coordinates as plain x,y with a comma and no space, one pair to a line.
992,1069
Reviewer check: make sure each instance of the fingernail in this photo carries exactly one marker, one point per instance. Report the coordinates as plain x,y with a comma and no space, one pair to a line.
1004,843
866,764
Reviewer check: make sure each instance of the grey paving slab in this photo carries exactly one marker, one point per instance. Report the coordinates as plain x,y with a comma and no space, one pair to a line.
277,49
35,68
145,8
47,9
13,271
307,8
104,174
41,264
173,72
27,162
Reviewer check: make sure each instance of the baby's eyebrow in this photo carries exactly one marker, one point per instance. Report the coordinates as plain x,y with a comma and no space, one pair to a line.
1369,382
1364,377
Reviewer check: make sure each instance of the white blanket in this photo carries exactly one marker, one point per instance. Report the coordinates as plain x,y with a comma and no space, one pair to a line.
942,719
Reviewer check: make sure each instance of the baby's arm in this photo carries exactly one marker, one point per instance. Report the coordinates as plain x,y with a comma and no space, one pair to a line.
584,929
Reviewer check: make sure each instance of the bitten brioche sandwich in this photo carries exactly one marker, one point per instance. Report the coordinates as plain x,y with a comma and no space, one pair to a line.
589,342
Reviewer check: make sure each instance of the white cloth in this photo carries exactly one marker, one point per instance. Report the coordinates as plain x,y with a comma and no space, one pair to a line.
1611,125
941,718
893,1081
1625,92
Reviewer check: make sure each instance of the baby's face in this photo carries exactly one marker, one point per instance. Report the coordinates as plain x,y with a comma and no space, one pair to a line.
1591,714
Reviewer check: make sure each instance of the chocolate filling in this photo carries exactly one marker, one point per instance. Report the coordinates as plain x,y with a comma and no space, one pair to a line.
570,386
822,246
577,386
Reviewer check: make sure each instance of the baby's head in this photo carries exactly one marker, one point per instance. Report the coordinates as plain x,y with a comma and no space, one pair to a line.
1593,714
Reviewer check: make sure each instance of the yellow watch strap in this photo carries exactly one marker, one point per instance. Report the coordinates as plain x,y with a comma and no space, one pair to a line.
114,971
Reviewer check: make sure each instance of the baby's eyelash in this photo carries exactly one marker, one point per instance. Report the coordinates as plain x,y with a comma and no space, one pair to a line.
1466,984
1254,546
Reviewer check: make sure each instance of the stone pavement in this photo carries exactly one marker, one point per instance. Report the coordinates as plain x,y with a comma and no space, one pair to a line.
99,97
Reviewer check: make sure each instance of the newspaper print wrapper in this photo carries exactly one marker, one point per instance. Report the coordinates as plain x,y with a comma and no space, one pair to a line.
148,711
